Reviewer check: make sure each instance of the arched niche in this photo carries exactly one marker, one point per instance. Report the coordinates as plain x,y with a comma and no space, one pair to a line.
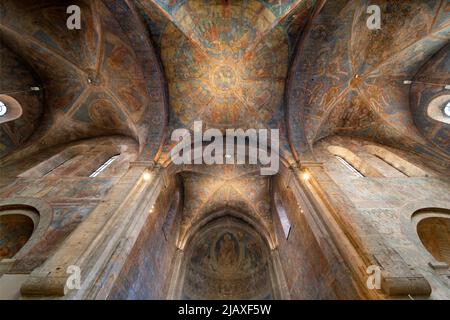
17,225
17,217
227,259
434,232
418,219
15,231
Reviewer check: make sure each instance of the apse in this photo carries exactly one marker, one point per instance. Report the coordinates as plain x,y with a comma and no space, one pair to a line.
227,259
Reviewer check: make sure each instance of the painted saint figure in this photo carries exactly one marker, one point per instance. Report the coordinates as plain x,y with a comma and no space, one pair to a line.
228,255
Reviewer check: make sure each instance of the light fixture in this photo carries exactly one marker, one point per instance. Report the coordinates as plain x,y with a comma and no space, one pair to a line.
305,176
146,176
407,82
3,109
35,88
228,156
446,109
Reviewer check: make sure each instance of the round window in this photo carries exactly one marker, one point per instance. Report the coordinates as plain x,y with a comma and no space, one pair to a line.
3,109
446,109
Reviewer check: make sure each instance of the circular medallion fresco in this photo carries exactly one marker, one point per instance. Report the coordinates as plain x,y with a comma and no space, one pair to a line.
222,67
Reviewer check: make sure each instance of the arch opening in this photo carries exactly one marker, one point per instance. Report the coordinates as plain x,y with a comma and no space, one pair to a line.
15,231
434,232
227,259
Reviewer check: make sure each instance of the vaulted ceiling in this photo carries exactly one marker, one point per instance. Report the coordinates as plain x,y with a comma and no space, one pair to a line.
19,75
211,189
145,67
347,79
101,80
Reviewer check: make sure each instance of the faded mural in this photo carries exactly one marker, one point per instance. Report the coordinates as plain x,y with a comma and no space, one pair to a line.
228,261
15,230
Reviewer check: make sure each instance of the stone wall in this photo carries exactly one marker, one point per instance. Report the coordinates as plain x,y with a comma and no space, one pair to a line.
146,272
68,192
310,272
383,206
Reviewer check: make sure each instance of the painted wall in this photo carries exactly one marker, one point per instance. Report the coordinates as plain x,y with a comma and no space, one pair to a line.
382,207
15,230
227,259
70,195
310,272
147,269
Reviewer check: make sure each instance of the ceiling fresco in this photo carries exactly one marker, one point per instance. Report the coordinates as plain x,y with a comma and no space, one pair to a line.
226,62
97,80
310,68
210,189
347,79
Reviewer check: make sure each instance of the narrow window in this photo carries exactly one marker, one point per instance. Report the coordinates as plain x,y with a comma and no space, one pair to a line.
350,167
285,223
103,166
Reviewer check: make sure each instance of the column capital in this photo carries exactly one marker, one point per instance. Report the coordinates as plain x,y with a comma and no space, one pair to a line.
147,164
309,164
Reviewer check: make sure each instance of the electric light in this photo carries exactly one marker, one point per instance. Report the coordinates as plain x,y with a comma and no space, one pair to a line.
305,176
147,176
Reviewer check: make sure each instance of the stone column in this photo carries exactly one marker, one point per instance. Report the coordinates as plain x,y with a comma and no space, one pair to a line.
177,276
279,283
101,243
